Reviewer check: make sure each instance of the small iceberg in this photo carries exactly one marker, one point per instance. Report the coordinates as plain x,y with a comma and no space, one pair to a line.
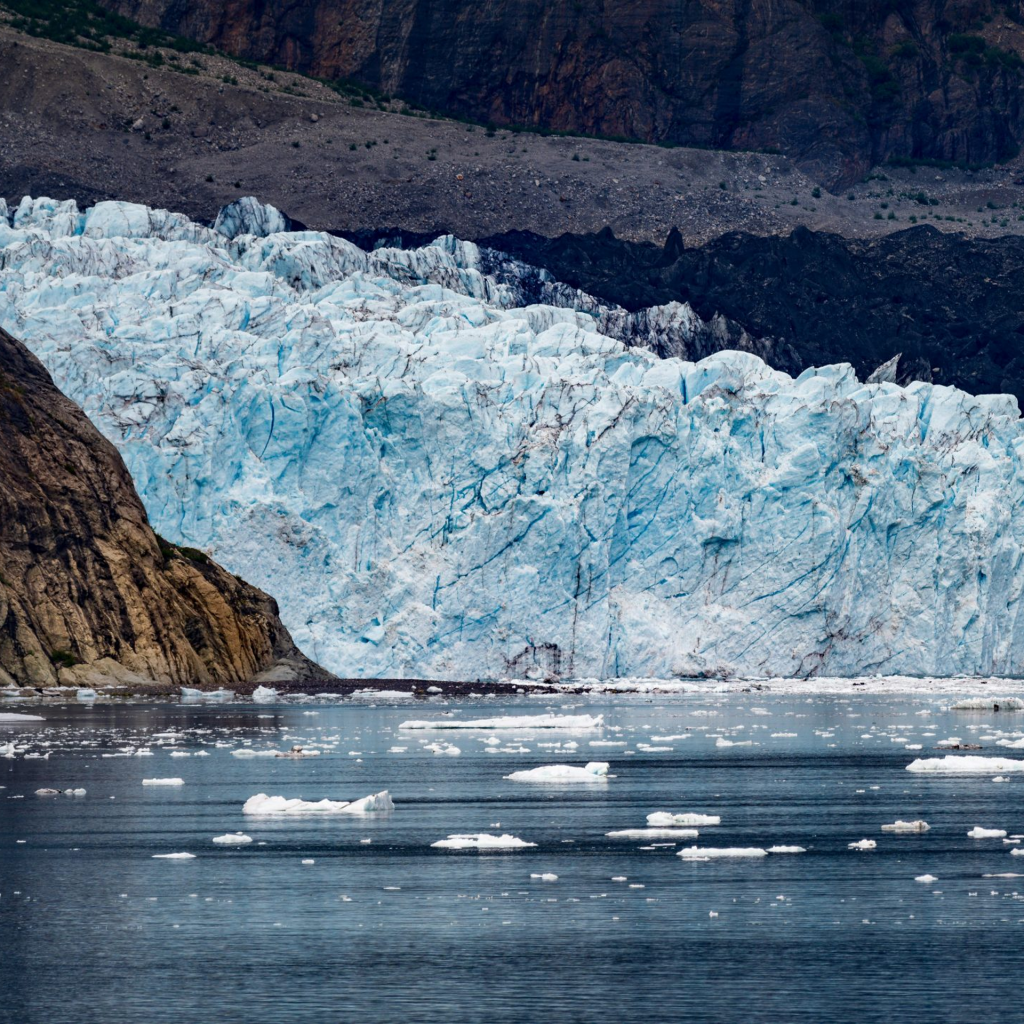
547,876
482,842
593,771
575,723
232,839
664,819
163,782
262,694
174,856
988,704
188,693
270,805
654,833
965,764
927,879
862,844
907,826
720,852
986,833
9,718
85,693
786,849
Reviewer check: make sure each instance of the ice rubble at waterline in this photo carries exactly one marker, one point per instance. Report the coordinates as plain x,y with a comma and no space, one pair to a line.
438,476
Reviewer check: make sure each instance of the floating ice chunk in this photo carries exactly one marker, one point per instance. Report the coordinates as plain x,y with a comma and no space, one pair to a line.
862,844
786,849
434,689
546,877
965,764
986,833
188,693
232,839
308,860
163,782
263,804
593,771
9,718
1011,744
664,819
574,723
723,742
481,841
907,826
85,693
715,852
262,694
1001,778
988,704
444,748
46,791
927,879
1017,851
174,856
249,752
654,833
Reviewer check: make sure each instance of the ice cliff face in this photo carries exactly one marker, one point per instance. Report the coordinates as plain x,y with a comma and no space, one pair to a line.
433,480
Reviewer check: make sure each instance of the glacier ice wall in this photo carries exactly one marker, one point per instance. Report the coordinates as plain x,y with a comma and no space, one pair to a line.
436,481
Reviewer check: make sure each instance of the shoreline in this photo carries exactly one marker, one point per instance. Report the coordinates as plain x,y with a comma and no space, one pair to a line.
426,689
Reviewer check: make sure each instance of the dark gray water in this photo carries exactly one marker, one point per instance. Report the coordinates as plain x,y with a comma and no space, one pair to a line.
96,930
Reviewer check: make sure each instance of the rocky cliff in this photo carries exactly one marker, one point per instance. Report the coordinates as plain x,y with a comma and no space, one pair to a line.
837,84
949,306
89,594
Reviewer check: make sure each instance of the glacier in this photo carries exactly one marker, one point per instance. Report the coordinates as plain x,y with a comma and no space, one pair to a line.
444,464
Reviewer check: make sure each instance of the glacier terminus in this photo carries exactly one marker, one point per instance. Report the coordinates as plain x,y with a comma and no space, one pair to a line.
443,470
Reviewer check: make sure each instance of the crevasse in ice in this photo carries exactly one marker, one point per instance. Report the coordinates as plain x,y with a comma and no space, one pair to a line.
438,476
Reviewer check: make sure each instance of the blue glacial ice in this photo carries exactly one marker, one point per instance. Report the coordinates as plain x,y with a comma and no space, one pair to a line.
437,475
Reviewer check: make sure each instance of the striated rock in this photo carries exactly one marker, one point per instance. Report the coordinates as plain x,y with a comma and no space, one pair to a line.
89,595
836,85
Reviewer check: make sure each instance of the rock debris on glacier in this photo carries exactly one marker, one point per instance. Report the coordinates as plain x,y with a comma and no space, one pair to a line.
435,480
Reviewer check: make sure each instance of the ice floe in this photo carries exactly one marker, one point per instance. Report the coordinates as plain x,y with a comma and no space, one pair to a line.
574,723
484,842
665,819
163,782
593,771
232,839
262,804
715,852
907,826
965,764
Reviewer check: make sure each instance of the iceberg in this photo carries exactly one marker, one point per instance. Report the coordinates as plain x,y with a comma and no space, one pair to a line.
174,856
190,694
274,805
262,694
965,764
786,849
664,819
482,842
986,833
907,826
720,852
163,782
862,844
593,771
9,718
654,833
570,722
988,704
232,839
444,464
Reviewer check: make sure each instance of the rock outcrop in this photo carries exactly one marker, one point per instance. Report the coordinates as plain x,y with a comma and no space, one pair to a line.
89,594
838,84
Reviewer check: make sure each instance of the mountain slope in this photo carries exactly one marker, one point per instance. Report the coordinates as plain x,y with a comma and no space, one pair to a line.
88,593
836,84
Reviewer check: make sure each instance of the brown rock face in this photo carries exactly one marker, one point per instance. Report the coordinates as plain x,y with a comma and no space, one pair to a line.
836,84
88,593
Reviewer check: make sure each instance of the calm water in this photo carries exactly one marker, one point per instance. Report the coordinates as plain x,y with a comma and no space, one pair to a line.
95,930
